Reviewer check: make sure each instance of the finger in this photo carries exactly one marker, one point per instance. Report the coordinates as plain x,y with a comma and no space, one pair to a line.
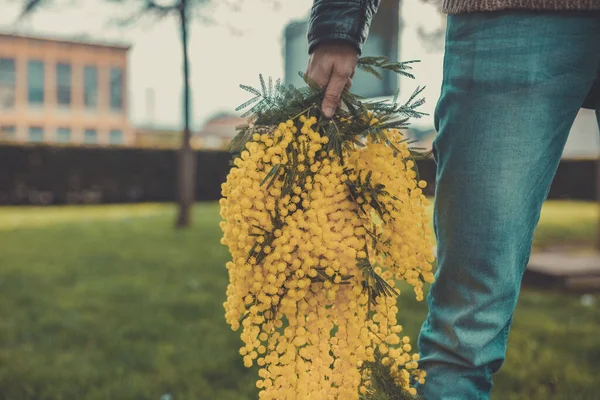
318,73
348,85
333,93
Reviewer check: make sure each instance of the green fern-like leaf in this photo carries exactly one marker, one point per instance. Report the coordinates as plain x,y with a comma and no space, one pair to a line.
383,385
369,64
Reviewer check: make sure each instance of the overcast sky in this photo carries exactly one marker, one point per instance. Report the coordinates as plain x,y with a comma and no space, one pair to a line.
220,58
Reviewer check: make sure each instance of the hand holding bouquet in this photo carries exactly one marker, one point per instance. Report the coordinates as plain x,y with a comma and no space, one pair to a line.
322,218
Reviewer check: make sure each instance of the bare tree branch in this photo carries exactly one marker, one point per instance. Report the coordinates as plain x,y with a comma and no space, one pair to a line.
160,10
29,6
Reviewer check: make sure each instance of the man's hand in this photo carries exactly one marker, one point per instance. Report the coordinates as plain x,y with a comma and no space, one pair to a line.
332,66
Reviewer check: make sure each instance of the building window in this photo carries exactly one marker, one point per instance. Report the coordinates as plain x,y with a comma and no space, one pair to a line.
35,80
115,137
116,89
90,136
7,132
63,135
36,135
63,84
7,83
90,85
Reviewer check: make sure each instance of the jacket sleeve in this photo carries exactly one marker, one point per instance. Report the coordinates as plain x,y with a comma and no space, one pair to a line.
345,20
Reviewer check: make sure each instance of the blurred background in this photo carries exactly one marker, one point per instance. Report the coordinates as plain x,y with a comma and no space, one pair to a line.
112,153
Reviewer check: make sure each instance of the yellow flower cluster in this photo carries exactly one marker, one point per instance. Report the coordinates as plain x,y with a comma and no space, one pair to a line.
295,287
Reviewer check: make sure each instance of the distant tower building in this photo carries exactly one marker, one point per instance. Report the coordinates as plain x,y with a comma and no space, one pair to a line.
382,41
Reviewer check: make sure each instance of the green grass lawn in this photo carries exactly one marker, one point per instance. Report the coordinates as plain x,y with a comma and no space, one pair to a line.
568,223
111,303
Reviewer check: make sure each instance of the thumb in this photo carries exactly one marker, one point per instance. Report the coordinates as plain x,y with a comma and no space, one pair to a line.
333,93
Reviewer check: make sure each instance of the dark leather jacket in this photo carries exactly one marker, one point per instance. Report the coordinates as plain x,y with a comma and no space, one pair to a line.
345,20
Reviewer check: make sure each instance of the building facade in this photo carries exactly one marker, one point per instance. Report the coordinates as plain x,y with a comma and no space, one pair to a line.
63,92
219,131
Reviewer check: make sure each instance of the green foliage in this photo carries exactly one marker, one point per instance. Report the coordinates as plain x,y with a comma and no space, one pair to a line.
273,104
370,193
375,286
372,64
382,384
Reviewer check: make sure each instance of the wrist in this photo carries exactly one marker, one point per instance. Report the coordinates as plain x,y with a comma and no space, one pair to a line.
336,43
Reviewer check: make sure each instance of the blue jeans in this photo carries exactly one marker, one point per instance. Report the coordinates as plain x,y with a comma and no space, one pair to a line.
513,84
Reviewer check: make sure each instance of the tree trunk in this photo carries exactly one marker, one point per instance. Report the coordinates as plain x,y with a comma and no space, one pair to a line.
186,158
598,197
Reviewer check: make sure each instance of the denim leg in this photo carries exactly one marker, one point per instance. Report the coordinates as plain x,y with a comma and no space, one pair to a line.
513,84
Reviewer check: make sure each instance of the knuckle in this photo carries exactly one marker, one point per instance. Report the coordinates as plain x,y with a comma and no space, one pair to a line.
344,74
332,96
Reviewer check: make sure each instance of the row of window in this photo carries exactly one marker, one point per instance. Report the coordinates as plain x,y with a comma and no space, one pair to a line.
63,135
64,84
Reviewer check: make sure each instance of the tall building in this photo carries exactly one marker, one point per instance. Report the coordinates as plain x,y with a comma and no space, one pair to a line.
63,91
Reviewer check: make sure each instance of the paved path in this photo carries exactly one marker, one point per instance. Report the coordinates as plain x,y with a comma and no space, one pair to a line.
569,270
